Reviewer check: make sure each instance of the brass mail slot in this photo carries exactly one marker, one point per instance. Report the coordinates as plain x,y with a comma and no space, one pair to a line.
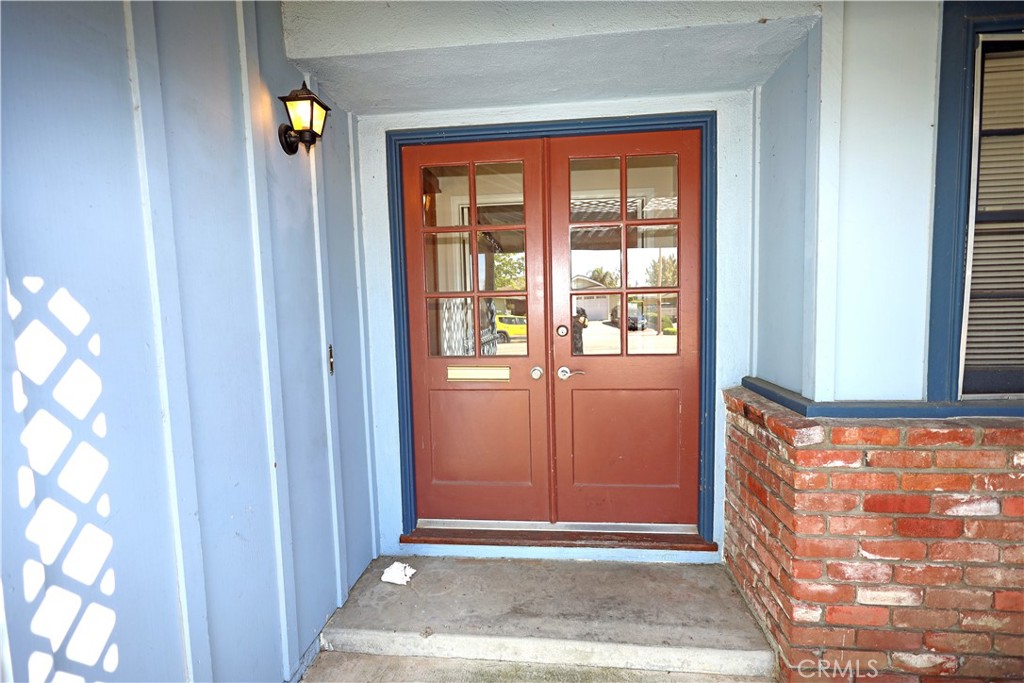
479,373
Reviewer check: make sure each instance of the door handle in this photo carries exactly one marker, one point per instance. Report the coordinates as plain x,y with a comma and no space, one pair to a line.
565,373
537,372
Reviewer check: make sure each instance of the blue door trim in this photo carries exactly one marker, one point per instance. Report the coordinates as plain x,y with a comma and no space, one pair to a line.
961,22
706,122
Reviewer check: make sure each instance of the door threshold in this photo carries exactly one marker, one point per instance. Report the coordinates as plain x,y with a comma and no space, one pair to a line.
564,539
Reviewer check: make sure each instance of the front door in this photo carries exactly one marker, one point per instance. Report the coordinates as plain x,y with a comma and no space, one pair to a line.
554,302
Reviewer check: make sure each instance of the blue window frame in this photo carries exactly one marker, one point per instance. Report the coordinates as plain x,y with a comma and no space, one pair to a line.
962,22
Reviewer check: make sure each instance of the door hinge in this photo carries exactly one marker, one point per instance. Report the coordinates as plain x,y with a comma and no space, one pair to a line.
330,359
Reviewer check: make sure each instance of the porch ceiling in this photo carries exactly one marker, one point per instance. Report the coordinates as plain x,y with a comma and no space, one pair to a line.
380,58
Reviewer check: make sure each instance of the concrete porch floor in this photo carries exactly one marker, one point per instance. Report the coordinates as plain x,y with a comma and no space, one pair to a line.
544,620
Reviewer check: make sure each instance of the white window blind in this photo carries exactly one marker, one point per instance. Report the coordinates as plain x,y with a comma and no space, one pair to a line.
993,348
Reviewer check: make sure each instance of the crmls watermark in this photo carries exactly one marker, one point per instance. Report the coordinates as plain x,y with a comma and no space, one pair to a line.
810,668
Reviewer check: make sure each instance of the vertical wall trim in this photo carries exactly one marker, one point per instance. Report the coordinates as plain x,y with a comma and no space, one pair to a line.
811,206
755,235
822,355
168,338
270,369
364,365
330,405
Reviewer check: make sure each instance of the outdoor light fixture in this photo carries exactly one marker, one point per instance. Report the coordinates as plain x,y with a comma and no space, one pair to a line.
307,114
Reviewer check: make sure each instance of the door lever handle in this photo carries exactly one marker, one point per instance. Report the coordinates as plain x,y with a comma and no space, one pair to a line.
565,373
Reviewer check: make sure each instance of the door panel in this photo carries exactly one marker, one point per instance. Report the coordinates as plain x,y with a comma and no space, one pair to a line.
580,258
474,228
625,253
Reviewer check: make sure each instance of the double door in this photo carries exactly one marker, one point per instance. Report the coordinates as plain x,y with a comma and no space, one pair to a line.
554,302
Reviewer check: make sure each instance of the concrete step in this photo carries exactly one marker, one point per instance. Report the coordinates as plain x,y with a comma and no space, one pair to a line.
346,667
653,617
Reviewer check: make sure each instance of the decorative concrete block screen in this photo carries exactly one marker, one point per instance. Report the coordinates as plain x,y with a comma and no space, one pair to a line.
888,551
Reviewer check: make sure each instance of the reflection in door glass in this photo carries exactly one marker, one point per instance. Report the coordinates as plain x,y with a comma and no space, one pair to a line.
594,190
596,260
652,256
445,196
447,262
450,327
595,332
653,181
499,194
503,324
651,324
501,260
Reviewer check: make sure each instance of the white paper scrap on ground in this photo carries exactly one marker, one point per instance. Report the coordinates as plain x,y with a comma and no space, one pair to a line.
399,573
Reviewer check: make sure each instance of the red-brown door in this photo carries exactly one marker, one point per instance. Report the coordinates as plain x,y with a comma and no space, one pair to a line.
554,328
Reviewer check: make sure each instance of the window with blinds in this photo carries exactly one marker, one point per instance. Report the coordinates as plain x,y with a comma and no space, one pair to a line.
993,340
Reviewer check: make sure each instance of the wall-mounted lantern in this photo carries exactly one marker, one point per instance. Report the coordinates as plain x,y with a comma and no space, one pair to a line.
307,114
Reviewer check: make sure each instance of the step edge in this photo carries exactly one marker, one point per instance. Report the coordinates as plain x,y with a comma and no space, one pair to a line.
682,659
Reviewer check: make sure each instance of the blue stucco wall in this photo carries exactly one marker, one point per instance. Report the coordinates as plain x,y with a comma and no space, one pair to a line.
234,504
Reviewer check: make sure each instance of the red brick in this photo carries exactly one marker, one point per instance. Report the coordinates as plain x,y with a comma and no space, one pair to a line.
825,502
893,550
889,595
927,574
964,505
993,667
1013,507
929,528
913,481
862,572
889,639
733,404
865,481
806,569
1008,645
867,436
925,663
1002,622
900,459
1013,554
860,526
819,592
886,502
864,661
1008,577
1003,437
958,643
937,436
828,458
1010,601
821,637
969,460
994,528
857,615
824,547
796,430
1014,481
958,598
921,618
808,524
753,413
810,480
963,551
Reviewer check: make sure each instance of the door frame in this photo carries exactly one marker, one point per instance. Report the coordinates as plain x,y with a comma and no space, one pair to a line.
704,121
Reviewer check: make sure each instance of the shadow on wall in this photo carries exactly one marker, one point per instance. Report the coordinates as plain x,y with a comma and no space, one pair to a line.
60,486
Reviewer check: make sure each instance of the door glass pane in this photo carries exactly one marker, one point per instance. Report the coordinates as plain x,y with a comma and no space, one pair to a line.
503,322
651,324
596,260
501,260
450,327
447,262
594,190
499,194
653,183
594,331
652,256
445,196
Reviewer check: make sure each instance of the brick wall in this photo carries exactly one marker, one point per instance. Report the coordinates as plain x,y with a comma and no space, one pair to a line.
894,546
